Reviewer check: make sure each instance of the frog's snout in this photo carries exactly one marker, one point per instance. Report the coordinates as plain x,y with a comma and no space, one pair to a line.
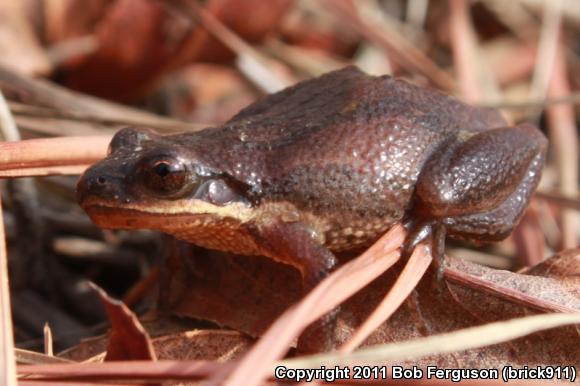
96,187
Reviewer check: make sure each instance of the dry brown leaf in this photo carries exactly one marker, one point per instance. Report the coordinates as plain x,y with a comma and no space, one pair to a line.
174,342
217,345
27,357
135,52
207,93
565,268
247,294
128,339
345,281
456,341
196,370
69,19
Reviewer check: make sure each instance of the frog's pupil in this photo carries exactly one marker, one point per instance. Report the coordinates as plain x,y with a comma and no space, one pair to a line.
162,169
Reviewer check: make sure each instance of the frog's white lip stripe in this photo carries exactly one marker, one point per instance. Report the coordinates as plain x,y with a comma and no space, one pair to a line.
190,207
158,215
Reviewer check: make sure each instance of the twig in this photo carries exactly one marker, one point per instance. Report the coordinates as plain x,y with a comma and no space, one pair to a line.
65,170
564,139
408,279
49,94
48,342
475,81
547,47
51,152
26,110
8,128
149,370
7,360
572,98
393,42
502,292
559,199
417,12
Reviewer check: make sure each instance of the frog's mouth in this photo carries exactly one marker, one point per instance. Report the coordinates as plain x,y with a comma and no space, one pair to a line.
120,218
204,229
164,215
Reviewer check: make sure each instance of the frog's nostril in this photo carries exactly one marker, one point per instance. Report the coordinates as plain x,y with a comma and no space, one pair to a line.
101,180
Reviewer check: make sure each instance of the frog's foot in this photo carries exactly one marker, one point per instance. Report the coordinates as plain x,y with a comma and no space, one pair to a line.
433,233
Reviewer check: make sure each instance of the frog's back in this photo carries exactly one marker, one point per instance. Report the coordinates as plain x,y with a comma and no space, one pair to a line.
350,99
345,146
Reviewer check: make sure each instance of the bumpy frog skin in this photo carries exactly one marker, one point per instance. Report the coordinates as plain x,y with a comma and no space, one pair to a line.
327,165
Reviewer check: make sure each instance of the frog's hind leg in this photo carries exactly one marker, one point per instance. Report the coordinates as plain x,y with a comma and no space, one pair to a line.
478,186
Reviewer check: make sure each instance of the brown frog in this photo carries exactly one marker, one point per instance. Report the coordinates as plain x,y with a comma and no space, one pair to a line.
327,165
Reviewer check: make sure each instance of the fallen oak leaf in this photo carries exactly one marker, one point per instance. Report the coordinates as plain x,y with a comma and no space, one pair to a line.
464,339
242,293
333,290
217,345
128,339
185,370
496,358
246,294
549,294
433,311
563,267
32,357
126,66
171,340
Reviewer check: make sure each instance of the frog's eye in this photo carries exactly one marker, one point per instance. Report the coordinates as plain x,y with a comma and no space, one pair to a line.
164,176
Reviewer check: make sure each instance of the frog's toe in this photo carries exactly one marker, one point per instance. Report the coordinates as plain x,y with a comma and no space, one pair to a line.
432,233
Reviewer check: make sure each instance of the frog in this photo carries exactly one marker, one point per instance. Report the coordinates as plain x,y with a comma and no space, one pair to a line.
323,167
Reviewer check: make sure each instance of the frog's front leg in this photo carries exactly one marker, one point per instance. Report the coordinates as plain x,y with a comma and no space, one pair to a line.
296,244
478,185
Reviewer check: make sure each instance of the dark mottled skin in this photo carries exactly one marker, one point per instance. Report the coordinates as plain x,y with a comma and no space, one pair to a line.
347,137
349,155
